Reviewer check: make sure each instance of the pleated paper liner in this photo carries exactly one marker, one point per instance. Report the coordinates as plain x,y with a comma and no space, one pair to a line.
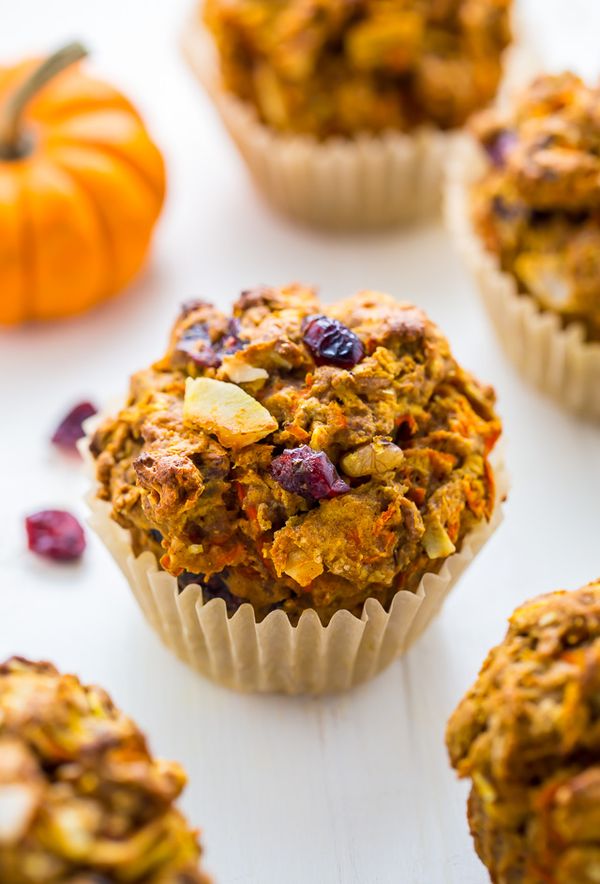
366,182
554,358
274,656
369,182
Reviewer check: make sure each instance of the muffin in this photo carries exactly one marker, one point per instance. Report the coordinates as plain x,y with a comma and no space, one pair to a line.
343,110
82,800
525,201
528,736
301,459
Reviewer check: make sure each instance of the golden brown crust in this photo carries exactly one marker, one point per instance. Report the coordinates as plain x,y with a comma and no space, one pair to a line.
408,431
339,67
538,205
528,735
82,799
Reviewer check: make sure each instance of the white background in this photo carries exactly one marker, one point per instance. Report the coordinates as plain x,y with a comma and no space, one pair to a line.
356,788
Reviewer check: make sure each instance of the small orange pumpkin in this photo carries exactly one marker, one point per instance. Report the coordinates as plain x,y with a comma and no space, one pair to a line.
81,187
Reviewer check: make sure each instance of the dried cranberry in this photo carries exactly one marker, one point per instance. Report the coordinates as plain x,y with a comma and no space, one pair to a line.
230,342
308,473
195,343
70,429
233,327
186,578
500,146
56,535
505,211
214,588
331,342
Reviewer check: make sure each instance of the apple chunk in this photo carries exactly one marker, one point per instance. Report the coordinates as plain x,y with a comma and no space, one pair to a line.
226,410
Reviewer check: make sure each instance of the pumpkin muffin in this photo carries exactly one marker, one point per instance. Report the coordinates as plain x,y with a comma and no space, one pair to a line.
332,67
327,465
534,207
528,736
537,207
359,75
82,799
296,456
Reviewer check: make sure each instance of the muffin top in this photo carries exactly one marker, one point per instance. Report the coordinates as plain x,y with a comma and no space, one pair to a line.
298,456
538,204
82,799
528,734
340,67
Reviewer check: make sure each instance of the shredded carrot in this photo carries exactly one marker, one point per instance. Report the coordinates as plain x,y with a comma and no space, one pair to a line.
298,433
474,500
489,474
417,495
492,438
407,419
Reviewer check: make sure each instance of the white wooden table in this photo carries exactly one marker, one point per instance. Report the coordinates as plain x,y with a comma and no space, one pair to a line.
354,789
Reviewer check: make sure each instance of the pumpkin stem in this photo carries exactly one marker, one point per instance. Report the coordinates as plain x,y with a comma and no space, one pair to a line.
12,143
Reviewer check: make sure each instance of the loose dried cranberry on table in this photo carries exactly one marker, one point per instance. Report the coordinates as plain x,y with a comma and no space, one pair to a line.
70,429
309,473
55,534
331,342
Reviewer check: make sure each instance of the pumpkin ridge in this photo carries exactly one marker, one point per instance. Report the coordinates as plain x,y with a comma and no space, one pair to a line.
115,156
14,209
57,190
107,244
157,188
154,201
27,251
58,113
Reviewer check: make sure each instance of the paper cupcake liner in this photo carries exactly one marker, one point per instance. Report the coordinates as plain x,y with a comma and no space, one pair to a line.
273,655
556,359
366,182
